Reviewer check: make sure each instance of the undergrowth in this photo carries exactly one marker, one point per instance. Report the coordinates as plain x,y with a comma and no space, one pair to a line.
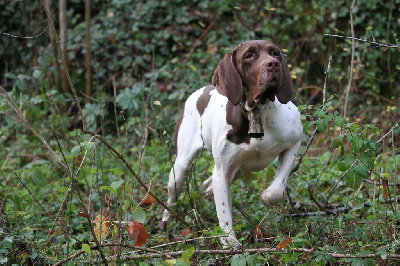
67,197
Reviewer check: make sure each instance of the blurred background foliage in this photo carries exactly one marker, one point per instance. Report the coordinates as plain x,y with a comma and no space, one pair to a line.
172,48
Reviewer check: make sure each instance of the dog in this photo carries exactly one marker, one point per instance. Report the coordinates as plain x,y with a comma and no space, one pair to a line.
245,118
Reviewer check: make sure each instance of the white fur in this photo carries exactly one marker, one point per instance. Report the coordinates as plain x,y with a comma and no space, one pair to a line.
282,136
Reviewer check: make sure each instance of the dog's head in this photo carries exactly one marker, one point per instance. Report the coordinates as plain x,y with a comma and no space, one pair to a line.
253,72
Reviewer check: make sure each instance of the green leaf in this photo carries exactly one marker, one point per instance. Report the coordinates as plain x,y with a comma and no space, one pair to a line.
116,184
320,114
356,142
75,151
139,215
38,178
116,171
87,145
361,170
86,248
188,253
307,126
346,162
339,121
108,188
354,126
338,141
353,179
366,159
242,260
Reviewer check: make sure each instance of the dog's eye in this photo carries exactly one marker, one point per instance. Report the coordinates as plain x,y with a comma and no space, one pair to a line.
249,56
274,53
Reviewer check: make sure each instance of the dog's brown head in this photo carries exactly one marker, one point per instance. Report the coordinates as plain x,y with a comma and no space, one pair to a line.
254,71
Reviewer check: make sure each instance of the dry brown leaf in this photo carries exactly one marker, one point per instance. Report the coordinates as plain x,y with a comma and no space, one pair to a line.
148,200
138,232
385,188
284,244
186,232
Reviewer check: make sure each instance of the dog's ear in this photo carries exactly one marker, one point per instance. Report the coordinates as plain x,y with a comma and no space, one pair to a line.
227,79
286,90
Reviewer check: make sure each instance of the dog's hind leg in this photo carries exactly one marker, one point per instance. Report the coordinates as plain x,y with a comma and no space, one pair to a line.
189,142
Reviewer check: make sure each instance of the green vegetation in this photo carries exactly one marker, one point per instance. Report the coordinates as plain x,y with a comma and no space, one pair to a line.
64,192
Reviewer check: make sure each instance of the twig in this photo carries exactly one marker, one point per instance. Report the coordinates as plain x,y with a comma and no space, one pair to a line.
25,37
79,252
252,251
352,60
341,209
386,45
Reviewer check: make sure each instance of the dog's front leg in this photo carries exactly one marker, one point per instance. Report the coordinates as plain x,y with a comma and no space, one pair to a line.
274,193
221,186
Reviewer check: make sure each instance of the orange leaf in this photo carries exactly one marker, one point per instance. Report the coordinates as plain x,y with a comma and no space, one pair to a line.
284,243
148,200
138,232
101,227
385,188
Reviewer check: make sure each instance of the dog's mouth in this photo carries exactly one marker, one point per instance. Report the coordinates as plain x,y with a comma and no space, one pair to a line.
268,92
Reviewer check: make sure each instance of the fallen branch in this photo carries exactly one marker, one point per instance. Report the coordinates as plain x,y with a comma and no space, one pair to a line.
341,209
248,251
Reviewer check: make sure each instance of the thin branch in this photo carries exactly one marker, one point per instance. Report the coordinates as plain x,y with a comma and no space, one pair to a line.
386,45
249,251
352,60
25,37
341,209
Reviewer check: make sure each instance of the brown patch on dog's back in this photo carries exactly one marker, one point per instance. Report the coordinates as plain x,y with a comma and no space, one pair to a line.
204,99
239,122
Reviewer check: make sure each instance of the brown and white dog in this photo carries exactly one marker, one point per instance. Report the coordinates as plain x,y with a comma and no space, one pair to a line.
254,76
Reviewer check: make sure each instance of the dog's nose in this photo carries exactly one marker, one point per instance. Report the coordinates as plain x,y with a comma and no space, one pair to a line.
272,65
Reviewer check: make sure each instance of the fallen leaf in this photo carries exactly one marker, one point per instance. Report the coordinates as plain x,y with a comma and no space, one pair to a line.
186,232
284,243
137,232
148,200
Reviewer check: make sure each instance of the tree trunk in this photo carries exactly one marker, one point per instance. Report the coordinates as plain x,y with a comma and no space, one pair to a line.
88,88
63,41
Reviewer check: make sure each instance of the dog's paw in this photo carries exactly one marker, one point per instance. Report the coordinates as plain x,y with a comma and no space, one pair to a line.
271,197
